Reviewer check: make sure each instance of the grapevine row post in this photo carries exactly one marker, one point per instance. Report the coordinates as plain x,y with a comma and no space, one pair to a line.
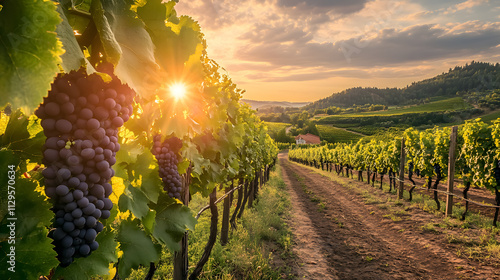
181,261
402,170
451,170
224,234
241,191
211,238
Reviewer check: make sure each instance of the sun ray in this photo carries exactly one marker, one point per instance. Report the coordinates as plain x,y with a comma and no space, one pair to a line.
178,90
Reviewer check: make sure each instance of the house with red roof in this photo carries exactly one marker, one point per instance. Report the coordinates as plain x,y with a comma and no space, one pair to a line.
307,139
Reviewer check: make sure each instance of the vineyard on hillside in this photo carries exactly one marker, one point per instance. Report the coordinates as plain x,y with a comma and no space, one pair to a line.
426,154
113,117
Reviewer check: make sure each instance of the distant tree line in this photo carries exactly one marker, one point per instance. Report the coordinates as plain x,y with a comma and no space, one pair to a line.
300,124
461,80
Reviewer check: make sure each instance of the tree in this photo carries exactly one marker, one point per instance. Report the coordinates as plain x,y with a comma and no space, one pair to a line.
282,137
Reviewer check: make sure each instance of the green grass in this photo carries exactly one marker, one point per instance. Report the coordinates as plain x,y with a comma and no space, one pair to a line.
489,118
261,241
334,135
368,129
451,104
275,127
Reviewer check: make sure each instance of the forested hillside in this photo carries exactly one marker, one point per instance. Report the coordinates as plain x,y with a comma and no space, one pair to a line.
476,76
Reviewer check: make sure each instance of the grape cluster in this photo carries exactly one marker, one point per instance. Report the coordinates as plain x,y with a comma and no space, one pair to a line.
167,155
80,118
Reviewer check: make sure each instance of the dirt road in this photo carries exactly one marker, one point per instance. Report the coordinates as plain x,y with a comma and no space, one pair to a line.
338,236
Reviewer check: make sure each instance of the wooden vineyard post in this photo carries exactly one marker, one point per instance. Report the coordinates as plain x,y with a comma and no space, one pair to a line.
181,264
224,233
402,170
451,170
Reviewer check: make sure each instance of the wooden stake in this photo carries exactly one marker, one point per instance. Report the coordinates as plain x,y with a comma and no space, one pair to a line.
451,170
181,263
402,170
224,234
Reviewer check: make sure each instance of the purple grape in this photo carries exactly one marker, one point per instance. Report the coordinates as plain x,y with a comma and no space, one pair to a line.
80,118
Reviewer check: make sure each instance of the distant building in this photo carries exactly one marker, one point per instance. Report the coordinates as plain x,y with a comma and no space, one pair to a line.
307,139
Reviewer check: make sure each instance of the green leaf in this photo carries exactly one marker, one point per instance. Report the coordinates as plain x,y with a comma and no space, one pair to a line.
148,221
130,46
73,57
151,184
32,216
34,256
29,51
111,47
149,178
32,210
97,264
138,249
175,41
18,137
135,200
7,158
171,224
183,166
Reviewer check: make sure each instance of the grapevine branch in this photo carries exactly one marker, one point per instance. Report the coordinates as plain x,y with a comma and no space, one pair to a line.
211,239
453,194
218,200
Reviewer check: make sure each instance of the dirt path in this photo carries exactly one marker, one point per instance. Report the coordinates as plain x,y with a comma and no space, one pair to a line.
338,236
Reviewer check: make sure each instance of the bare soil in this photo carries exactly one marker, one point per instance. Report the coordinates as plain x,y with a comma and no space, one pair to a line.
338,236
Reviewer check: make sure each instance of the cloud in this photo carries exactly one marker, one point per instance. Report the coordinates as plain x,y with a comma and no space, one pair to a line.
465,5
344,43
389,47
314,74
337,7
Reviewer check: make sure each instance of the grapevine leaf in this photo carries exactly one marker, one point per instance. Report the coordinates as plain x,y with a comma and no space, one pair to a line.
148,221
32,211
111,47
125,33
4,120
203,186
183,166
28,248
118,189
17,137
150,180
93,265
73,57
135,200
7,158
29,51
138,249
151,184
175,41
33,215
171,224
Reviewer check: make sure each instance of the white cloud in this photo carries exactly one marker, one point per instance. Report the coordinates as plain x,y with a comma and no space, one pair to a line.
465,5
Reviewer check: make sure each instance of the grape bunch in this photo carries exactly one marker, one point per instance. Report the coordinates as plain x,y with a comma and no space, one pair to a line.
167,155
80,118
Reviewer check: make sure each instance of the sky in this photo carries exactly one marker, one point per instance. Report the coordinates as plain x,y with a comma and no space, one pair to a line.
304,50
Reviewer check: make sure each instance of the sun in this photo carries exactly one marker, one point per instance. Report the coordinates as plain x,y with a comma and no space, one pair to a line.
178,90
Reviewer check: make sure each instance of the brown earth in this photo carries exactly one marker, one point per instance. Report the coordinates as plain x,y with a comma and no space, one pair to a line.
338,236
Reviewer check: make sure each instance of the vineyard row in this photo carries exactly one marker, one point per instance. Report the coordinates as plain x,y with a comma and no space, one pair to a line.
469,153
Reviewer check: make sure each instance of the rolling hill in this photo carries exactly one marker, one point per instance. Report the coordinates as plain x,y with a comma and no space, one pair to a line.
476,76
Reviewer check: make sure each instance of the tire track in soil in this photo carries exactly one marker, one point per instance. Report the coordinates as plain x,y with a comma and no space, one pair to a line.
365,246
